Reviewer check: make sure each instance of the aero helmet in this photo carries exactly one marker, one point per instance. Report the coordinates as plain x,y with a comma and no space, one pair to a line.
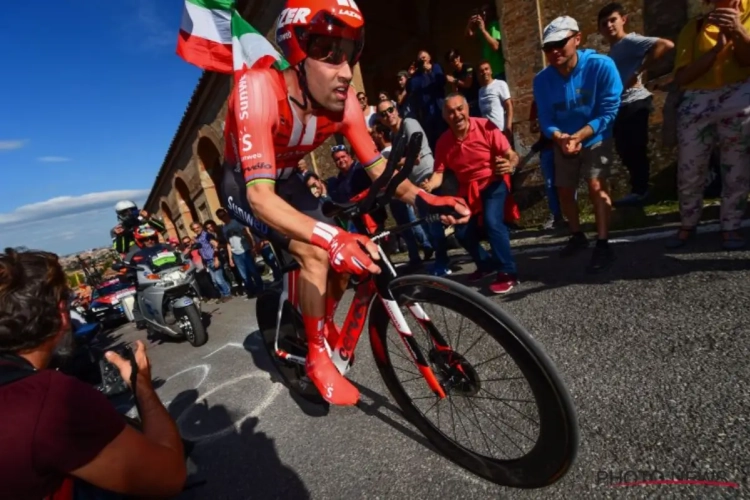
331,31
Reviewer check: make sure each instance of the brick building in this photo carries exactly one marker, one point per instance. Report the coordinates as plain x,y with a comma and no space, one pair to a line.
185,186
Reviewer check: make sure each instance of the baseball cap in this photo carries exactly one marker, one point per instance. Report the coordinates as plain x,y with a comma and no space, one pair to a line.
559,29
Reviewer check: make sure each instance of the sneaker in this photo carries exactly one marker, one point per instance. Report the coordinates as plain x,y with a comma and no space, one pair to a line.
440,271
601,259
504,283
479,275
575,244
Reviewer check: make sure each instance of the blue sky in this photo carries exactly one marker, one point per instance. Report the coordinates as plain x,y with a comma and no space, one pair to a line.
91,96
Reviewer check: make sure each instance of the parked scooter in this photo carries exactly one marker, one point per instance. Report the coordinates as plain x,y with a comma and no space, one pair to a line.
167,294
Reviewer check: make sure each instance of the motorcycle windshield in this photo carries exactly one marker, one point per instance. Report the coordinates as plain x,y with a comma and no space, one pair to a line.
165,260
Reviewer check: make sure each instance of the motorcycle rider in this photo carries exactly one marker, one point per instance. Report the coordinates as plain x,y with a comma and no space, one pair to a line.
124,239
277,117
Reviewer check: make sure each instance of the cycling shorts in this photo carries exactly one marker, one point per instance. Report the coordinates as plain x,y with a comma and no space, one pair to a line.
293,190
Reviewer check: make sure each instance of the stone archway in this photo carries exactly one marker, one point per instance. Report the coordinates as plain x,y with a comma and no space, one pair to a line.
166,214
206,150
185,202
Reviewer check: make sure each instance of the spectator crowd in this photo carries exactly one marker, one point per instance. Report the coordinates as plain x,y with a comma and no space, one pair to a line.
587,108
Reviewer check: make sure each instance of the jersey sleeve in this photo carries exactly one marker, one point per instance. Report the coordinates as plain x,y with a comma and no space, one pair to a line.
254,114
354,128
75,424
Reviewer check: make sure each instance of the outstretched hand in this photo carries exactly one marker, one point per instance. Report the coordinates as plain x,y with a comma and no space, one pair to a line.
126,369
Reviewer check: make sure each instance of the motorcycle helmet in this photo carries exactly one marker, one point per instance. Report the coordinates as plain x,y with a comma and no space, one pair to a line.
145,233
126,210
331,31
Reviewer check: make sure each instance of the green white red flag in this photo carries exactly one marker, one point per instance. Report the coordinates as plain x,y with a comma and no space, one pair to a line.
215,37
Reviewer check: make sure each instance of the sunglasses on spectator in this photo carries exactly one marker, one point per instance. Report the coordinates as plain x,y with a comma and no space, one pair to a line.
338,148
387,111
556,45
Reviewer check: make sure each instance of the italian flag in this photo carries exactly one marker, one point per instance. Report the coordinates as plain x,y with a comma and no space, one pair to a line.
214,37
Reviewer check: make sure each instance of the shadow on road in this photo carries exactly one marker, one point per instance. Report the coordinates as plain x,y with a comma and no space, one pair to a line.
376,409
237,464
638,262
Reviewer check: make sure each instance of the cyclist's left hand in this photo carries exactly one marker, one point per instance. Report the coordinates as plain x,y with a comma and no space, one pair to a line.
452,210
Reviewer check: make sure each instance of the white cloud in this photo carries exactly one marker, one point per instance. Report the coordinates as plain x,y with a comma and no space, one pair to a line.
66,224
7,145
53,159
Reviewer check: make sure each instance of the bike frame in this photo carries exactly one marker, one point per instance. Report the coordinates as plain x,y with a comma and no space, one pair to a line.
342,344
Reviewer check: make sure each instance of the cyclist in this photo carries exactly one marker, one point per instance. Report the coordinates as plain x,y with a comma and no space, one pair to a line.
131,220
274,119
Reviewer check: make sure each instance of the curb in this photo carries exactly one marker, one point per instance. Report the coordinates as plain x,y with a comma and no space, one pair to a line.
623,238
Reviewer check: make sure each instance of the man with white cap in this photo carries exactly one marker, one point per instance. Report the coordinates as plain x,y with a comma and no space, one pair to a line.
577,97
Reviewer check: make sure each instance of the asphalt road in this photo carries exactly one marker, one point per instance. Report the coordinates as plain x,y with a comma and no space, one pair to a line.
655,354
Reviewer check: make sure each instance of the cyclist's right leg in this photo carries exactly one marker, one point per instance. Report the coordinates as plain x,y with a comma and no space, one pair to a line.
313,277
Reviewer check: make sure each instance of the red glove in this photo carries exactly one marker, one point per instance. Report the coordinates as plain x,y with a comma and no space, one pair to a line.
442,205
346,251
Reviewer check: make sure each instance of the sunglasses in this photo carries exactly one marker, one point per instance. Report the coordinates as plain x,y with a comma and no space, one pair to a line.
338,148
556,45
386,111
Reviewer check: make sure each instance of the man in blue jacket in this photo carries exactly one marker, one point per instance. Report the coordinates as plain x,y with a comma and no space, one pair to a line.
577,97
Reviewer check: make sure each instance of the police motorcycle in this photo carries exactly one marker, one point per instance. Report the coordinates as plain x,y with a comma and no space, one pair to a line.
167,298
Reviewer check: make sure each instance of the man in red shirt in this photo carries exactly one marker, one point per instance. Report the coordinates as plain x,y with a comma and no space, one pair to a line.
483,161
54,427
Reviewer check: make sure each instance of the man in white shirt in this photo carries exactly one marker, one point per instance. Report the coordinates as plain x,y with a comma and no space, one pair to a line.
495,103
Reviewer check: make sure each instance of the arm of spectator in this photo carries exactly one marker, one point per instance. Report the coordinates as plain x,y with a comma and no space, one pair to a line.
544,109
609,87
434,182
151,463
493,42
468,81
653,49
507,103
730,23
504,159
687,70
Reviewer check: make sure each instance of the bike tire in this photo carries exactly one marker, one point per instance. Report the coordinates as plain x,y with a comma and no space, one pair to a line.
556,448
200,336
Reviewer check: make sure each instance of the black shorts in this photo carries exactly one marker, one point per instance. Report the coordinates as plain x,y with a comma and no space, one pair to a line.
293,190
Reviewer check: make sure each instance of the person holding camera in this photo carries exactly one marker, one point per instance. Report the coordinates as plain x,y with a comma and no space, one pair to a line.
57,432
485,25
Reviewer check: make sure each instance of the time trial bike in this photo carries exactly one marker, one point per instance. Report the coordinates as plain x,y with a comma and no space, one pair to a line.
481,366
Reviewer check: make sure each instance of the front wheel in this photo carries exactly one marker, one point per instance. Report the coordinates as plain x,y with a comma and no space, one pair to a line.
506,415
192,326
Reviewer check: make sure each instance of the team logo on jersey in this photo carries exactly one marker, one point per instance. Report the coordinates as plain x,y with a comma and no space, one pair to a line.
296,16
246,144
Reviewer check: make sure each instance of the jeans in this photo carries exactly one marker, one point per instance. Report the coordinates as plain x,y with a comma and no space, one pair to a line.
217,275
403,215
493,201
245,264
270,258
547,159
436,233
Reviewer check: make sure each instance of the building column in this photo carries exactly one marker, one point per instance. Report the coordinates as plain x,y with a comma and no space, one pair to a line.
523,57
